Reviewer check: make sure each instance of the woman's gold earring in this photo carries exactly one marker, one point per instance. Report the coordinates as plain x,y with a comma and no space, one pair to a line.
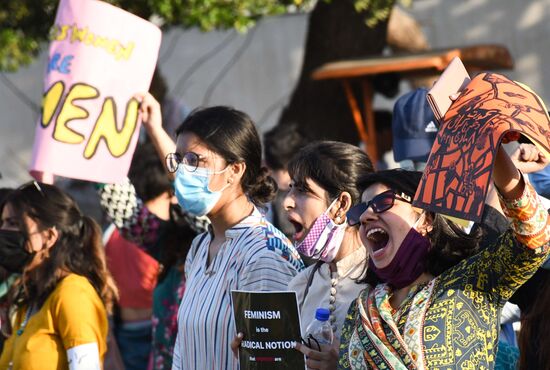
338,219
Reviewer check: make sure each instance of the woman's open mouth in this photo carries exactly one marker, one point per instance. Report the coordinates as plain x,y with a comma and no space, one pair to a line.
299,231
377,239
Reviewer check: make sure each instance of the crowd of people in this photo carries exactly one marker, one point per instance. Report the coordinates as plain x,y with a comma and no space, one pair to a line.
201,215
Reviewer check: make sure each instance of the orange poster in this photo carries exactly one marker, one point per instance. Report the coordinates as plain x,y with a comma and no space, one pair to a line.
458,172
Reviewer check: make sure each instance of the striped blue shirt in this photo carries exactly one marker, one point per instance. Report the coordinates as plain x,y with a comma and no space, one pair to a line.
255,257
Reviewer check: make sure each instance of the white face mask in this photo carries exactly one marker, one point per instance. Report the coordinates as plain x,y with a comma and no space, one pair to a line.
324,239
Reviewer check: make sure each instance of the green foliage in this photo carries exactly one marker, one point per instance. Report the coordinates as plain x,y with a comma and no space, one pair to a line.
24,24
378,10
208,14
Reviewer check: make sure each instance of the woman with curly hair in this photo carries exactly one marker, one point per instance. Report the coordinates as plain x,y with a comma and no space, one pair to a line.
65,291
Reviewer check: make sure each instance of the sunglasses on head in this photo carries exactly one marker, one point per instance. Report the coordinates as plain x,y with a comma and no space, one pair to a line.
380,203
33,185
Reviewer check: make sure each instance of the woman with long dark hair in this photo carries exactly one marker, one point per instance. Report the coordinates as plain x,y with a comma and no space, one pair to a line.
65,291
433,299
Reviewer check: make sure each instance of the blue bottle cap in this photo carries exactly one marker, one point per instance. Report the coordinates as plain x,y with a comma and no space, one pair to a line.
322,314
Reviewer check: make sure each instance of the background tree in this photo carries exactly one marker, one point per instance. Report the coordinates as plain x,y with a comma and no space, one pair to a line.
338,29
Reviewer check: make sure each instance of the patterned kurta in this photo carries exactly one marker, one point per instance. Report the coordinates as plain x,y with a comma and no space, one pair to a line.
456,325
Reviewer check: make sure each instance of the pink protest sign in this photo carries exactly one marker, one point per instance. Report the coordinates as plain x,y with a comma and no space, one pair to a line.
100,56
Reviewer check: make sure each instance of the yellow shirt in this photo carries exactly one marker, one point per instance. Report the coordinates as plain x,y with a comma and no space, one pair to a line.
72,315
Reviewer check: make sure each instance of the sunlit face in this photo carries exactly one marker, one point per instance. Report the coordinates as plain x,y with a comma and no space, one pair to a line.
189,142
304,207
36,237
383,233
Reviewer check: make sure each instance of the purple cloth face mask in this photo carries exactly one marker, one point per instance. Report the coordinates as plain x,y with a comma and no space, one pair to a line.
408,263
324,238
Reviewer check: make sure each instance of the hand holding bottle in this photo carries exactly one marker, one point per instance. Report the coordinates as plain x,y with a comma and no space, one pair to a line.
322,350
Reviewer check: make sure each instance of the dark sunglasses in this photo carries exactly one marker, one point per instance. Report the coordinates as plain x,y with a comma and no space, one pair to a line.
380,203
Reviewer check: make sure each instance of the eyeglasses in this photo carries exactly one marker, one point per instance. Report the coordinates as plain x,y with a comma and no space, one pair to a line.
190,159
380,203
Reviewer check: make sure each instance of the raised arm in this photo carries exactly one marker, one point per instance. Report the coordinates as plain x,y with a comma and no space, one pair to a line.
528,158
151,118
506,176
502,268
520,203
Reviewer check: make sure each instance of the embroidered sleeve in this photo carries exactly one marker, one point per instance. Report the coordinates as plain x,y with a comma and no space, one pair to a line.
496,271
500,269
529,218
136,223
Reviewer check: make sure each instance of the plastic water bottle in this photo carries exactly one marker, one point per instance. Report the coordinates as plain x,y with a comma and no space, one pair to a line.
320,328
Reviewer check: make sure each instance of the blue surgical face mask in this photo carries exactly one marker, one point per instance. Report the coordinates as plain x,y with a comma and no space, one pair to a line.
192,190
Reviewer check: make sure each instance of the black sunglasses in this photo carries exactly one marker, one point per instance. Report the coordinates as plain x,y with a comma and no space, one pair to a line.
380,203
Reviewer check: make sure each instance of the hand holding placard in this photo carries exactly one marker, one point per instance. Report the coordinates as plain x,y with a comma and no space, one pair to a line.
99,57
447,88
461,161
270,324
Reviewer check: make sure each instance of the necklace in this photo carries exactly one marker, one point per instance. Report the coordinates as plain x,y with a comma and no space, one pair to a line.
20,331
28,315
335,279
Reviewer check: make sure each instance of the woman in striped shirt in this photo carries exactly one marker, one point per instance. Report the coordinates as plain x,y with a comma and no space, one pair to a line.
218,173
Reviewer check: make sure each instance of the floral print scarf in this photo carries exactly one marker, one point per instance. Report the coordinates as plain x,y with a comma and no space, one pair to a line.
376,342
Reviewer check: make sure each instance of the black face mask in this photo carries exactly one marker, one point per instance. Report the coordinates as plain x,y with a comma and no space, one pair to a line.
13,255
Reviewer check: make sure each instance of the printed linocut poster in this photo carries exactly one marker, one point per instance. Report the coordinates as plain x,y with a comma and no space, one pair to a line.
458,172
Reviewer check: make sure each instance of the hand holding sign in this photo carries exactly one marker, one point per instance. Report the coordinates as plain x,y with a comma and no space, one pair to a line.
267,343
460,165
151,117
150,112
100,56
236,343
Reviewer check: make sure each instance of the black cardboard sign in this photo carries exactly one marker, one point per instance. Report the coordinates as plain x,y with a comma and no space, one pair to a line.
270,323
